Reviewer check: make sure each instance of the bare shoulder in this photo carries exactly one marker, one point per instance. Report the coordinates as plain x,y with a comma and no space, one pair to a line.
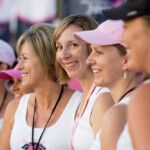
140,102
103,102
8,123
112,124
115,115
138,114
141,95
104,99
11,109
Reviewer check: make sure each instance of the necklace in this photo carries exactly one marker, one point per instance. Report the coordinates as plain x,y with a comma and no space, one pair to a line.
3,100
126,93
33,145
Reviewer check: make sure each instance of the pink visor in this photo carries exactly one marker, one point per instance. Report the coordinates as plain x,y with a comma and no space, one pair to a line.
107,33
9,74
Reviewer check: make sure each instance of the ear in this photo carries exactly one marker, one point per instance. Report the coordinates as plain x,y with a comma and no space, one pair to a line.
125,63
3,66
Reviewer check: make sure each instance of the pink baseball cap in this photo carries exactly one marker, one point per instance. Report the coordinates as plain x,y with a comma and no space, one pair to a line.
10,73
7,54
107,33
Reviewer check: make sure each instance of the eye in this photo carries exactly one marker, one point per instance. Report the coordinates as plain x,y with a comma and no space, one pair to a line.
58,47
24,58
98,52
74,45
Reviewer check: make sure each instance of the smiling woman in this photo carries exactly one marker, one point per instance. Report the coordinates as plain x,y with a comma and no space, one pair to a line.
71,55
39,119
109,64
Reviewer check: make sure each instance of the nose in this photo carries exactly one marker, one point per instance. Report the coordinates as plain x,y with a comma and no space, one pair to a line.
90,61
19,65
64,53
14,87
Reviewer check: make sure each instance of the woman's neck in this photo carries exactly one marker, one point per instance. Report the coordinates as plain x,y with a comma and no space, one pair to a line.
86,85
118,90
47,95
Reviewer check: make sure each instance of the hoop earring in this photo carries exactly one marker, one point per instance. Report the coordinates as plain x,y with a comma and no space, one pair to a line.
124,75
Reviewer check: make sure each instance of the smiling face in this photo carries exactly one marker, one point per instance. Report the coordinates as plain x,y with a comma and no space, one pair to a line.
107,65
18,89
72,54
30,67
136,34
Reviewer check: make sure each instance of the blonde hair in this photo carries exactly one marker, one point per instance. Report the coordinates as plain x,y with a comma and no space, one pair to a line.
86,23
39,37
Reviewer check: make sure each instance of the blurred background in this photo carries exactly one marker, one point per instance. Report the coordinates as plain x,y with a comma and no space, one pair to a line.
18,15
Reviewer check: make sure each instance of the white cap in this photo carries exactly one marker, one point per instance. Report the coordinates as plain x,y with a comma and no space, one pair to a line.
7,54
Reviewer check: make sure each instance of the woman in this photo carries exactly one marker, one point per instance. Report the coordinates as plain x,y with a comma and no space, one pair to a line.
109,64
15,79
14,76
136,34
44,115
7,59
71,55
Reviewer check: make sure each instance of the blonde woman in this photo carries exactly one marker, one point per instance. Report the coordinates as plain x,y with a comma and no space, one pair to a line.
41,119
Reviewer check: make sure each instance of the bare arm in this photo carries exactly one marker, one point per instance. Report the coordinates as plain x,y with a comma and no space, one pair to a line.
102,104
139,118
112,126
7,125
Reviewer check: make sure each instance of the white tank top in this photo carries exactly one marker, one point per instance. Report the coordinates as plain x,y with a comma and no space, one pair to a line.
124,142
56,137
1,123
84,135
97,144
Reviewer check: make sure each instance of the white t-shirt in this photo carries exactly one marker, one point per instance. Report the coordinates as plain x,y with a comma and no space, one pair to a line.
55,137
84,135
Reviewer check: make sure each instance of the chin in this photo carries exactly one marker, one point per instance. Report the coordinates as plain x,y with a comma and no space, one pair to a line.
17,95
97,82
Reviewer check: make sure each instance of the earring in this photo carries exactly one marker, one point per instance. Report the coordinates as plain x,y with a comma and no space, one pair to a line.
124,75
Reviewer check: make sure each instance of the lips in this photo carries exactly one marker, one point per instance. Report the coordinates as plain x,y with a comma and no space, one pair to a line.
96,70
70,64
24,74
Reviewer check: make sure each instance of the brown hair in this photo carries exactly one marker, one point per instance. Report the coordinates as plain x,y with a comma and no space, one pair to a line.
85,22
121,49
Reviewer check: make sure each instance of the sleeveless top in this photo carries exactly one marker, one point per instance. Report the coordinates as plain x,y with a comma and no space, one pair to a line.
97,144
55,137
84,135
125,141
1,123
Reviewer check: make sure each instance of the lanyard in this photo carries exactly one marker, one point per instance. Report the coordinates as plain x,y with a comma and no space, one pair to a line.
36,146
78,117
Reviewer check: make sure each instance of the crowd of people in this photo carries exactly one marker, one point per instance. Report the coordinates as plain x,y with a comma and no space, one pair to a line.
110,61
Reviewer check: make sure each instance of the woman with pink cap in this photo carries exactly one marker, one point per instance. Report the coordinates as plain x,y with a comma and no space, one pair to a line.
18,90
109,64
14,75
7,59
71,55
